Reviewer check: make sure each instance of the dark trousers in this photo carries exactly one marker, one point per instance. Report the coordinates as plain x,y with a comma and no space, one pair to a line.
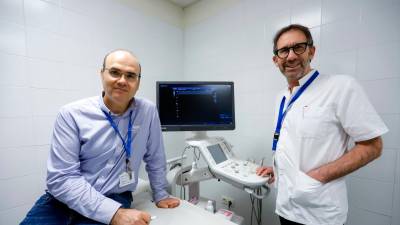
49,211
288,222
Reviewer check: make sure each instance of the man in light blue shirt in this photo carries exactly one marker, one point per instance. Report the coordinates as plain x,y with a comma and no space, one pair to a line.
97,147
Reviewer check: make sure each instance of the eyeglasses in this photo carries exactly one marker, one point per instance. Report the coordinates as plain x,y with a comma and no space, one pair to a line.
116,73
298,49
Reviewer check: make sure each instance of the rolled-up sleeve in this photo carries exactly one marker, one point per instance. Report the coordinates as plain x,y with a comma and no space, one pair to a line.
155,159
64,179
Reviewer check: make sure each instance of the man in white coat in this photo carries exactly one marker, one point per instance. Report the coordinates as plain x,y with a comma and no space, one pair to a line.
317,116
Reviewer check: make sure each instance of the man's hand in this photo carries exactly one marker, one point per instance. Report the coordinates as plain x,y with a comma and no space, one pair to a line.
266,171
130,217
168,203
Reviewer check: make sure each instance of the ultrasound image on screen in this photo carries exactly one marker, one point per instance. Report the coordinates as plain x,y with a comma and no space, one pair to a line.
217,153
195,104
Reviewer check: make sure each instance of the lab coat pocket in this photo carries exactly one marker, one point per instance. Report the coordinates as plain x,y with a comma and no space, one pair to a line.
314,122
307,192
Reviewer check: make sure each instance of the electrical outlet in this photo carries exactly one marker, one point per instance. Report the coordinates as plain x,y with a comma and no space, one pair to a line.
228,201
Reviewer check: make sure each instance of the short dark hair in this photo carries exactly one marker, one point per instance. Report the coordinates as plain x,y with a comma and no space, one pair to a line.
299,27
124,50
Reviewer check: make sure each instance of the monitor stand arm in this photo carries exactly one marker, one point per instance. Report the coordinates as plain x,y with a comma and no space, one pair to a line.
196,135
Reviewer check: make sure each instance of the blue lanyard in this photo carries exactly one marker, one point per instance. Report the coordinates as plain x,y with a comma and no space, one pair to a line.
282,114
128,142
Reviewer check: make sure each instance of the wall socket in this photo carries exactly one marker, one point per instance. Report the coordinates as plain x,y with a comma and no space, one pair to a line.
228,201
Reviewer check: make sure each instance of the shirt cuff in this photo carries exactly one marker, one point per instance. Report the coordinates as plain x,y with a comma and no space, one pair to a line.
160,196
106,210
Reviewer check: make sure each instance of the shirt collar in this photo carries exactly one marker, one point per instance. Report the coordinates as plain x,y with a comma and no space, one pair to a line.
301,81
103,107
306,77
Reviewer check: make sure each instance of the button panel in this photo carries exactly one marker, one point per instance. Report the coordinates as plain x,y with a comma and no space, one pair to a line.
244,170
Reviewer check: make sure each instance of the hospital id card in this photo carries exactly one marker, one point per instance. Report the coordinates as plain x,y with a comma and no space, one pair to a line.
126,178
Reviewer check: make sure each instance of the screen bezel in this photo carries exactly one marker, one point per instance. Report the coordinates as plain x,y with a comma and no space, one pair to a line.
197,127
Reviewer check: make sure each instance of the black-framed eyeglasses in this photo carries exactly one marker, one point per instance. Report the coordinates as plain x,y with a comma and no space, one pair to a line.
298,49
116,73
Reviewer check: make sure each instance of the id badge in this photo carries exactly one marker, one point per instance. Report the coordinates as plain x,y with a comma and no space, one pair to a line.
126,178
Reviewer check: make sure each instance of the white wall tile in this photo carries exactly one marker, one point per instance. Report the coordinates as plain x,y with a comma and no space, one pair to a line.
371,67
21,161
86,6
43,44
55,2
382,94
97,51
80,77
255,42
253,147
396,199
255,9
307,13
12,11
333,10
340,36
14,216
9,129
20,190
173,143
76,25
15,101
380,22
251,80
339,63
357,216
75,51
46,74
371,195
274,22
43,129
254,126
12,38
391,138
316,34
252,104
275,6
41,14
231,21
13,69
47,102
382,169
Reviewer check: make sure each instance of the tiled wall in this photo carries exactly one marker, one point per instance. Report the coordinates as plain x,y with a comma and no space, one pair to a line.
356,37
50,54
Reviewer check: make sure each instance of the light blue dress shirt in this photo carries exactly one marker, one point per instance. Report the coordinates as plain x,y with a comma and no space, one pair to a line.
87,156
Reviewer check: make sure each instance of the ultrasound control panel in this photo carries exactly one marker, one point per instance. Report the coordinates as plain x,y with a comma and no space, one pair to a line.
225,166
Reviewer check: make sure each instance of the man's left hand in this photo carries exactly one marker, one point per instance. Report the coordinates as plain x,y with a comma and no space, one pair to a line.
168,203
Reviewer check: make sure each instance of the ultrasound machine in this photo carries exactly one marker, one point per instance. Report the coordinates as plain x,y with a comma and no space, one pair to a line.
201,106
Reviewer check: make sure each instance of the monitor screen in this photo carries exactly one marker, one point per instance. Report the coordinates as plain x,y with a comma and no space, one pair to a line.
217,153
196,106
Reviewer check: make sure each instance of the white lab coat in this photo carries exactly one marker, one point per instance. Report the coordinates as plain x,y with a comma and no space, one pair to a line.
317,130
